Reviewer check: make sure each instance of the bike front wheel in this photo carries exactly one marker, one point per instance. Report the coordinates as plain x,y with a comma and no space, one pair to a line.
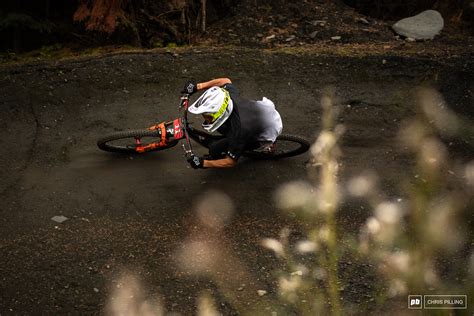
134,141
286,145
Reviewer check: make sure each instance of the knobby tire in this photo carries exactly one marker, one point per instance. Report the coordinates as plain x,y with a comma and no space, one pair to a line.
104,142
303,146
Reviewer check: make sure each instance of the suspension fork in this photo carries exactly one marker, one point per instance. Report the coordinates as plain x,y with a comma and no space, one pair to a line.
188,151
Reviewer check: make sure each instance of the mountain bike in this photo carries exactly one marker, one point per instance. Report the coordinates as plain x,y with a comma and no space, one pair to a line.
168,134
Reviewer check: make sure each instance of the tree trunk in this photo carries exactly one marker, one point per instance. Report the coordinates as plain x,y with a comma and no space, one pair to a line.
203,15
138,40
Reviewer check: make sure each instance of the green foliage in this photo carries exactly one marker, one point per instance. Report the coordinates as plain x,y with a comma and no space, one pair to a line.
50,50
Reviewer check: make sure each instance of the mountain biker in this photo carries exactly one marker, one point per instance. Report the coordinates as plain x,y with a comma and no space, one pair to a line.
245,124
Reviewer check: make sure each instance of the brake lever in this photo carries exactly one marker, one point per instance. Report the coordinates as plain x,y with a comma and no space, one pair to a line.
184,97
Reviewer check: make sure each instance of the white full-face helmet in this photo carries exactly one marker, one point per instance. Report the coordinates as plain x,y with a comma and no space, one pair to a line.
215,103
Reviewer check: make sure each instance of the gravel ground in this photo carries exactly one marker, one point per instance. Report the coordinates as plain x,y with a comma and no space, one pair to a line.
135,213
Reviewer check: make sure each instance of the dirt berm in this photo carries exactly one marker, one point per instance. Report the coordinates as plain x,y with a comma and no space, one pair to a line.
133,212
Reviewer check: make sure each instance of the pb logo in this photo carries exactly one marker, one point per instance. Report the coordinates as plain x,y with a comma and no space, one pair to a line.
415,301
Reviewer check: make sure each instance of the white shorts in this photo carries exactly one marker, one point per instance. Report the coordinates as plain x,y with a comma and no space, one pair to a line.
273,125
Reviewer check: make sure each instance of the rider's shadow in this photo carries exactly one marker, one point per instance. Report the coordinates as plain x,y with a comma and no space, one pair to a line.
256,173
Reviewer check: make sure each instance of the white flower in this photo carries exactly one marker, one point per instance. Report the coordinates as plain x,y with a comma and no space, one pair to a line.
373,225
433,153
388,213
361,186
294,195
215,209
288,286
400,261
128,298
469,174
325,142
442,218
197,257
437,111
274,245
324,234
413,134
206,306
306,246
430,277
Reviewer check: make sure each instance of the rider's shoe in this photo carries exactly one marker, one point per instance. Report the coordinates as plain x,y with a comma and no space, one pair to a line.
266,148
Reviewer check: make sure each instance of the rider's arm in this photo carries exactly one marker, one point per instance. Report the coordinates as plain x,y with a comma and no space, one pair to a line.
227,162
213,83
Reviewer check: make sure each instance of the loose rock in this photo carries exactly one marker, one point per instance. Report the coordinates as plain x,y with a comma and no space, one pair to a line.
59,219
261,292
319,22
363,20
425,25
269,38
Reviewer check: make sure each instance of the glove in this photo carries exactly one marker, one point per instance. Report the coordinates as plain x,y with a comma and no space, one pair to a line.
196,162
190,87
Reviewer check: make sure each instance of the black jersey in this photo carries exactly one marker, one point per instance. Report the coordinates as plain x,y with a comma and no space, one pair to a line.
244,125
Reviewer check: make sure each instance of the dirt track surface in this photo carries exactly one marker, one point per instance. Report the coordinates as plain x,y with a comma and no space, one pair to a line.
133,212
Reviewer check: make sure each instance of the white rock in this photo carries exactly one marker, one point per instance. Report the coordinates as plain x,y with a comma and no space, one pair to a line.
425,25
336,38
319,22
261,292
299,273
59,219
269,38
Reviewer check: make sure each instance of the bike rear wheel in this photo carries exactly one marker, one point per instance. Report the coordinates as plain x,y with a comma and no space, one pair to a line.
286,145
133,141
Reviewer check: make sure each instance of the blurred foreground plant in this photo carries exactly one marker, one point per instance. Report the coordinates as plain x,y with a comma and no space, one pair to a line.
420,245
316,286
423,245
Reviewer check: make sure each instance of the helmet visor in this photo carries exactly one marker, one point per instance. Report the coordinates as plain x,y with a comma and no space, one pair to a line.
222,109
